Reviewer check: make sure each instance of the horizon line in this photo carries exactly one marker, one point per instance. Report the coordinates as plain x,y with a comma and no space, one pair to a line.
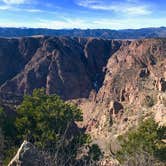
83,28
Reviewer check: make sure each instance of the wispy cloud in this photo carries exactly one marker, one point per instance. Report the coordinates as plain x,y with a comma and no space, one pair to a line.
33,10
25,6
62,24
118,14
14,6
129,23
17,9
69,23
5,7
130,7
11,2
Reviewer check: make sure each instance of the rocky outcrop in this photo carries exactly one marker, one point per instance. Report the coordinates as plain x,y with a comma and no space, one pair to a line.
28,155
92,73
82,69
160,114
160,109
162,85
133,72
68,67
14,54
130,66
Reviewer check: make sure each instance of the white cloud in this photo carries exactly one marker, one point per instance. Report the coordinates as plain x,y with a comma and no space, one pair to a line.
52,24
62,24
130,23
129,7
137,10
11,2
84,24
5,7
16,9
33,10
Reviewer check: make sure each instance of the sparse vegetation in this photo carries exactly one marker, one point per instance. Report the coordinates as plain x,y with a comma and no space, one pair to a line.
95,152
144,145
49,123
9,136
1,144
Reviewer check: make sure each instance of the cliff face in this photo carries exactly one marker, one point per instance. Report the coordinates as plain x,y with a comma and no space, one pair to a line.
135,63
133,89
76,68
14,54
116,83
134,85
72,68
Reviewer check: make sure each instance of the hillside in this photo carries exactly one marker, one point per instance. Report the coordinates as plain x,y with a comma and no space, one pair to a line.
115,82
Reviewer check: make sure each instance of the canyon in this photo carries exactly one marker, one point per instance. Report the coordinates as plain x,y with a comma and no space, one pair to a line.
116,83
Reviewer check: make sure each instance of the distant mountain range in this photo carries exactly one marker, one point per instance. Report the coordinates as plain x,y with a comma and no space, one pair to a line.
101,33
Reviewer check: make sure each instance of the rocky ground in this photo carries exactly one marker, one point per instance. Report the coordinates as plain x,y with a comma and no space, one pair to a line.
116,83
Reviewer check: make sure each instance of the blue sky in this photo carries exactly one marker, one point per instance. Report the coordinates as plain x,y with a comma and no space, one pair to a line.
57,14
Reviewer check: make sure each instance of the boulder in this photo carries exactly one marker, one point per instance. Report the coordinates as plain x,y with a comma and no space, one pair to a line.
28,155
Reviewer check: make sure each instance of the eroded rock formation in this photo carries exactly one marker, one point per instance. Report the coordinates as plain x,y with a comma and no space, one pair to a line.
92,73
65,66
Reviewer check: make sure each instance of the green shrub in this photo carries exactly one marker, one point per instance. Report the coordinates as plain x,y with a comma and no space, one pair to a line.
95,152
145,143
47,122
9,135
7,124
1,144
43,119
